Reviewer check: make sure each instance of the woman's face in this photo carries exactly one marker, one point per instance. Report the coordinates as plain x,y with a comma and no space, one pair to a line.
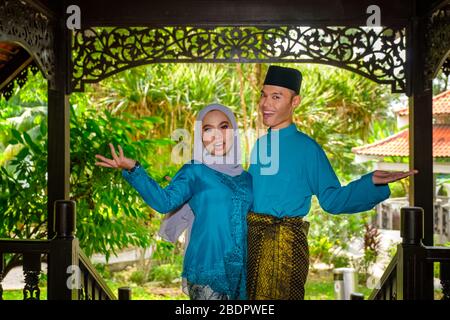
217,133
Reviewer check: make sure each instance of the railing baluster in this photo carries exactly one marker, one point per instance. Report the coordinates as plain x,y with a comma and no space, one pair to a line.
388,289
394,287
1,275
31,271
445,280
96,292
91,288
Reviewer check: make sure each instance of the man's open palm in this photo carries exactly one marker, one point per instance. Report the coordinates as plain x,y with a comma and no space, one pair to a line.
384,177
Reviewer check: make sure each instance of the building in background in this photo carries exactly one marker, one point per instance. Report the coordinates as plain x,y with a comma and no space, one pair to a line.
397,145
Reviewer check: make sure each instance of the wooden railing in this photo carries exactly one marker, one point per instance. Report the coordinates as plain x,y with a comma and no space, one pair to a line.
387,288
92,286
410,275
70,276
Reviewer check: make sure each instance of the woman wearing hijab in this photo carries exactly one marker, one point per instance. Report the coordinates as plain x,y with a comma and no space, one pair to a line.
213,188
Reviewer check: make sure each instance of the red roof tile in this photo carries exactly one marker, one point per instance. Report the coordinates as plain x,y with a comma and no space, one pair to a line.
441,104
398,144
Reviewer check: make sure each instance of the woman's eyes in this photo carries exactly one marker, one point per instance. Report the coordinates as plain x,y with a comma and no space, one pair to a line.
206,129
225,126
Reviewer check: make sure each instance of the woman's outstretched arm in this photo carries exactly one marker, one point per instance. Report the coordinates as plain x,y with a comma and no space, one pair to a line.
163,200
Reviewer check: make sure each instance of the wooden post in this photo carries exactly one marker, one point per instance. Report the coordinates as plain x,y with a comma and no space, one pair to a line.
64,277
420,129
59,119
1,275
356,296
64,249
411,265
124,293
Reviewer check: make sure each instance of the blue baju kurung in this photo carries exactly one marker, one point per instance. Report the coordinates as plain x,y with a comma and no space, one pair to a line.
217,250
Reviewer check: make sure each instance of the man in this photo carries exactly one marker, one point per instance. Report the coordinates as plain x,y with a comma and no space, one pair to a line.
278,256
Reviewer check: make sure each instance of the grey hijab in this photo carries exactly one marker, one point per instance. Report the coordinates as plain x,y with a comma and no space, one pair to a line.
176,222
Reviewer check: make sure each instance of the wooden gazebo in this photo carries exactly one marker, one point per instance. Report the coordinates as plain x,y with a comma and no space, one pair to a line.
402,43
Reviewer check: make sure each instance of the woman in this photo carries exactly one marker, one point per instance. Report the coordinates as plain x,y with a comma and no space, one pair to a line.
218,191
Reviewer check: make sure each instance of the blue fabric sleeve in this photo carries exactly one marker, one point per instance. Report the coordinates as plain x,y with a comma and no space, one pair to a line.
163,200
357,196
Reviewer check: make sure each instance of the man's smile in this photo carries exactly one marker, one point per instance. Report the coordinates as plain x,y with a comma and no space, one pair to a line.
268,113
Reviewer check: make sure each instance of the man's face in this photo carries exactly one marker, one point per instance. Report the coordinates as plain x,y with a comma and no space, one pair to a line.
277,106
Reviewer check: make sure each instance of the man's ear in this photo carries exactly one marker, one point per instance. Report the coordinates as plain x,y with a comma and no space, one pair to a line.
296,101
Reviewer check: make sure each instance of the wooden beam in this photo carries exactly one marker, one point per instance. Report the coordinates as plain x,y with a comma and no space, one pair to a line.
245,12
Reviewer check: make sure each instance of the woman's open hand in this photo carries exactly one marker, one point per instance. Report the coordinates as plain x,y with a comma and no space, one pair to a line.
383,177
117,162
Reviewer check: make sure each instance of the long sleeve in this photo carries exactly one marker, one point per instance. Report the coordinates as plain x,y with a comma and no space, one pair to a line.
359,195
163,200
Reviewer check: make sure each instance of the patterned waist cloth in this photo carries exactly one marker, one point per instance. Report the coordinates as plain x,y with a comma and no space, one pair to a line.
278,257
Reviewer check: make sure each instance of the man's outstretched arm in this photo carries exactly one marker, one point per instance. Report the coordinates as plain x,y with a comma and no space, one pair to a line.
357,196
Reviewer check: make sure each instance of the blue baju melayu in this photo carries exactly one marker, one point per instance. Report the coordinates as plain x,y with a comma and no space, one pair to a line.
288,167
303,171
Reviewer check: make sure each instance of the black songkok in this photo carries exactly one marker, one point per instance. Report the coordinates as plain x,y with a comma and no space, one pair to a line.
284,77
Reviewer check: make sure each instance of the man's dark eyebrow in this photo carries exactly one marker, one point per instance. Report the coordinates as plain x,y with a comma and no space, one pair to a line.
276,92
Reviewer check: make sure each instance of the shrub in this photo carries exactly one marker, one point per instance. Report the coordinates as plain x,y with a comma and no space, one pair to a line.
165,273
138,277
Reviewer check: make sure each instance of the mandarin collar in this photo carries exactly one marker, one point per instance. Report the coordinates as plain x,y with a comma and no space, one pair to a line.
284,131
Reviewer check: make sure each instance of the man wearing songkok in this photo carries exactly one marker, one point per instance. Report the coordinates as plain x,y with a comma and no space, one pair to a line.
287,168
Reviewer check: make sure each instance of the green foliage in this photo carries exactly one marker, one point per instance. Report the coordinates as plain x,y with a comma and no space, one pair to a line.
103,270
164,252
110,214
330,234
392,251
165,273
138,277
340,261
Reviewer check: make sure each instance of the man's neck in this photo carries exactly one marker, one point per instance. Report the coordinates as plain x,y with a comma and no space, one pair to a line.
282,125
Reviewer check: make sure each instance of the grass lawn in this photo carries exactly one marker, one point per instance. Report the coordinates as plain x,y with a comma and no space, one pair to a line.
320,286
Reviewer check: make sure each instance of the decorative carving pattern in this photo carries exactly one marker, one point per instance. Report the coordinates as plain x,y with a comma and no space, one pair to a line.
19,22
446,67
31,290
445,289
378,54
20,80
438,46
